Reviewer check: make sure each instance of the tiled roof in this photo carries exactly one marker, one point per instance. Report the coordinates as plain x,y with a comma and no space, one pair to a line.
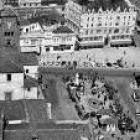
63,29
25,59
13,110
7,65
51,132
30,82
37,109
48,17
108,4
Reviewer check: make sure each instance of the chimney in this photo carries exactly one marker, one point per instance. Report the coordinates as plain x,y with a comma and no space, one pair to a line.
49,110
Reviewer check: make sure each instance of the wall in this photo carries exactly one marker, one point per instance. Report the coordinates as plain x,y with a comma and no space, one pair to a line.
33,70
31,28
15,86
32,94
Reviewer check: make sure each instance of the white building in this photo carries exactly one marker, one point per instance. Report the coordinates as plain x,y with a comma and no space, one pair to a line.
40,38
12,77
101,23
29,3
11,80
60,40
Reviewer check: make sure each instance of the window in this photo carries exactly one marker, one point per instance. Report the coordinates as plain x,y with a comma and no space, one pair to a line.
96,38
12,33
33,27
7,33
27,71
118,17
116,31
8,42
116,24
98,31
8,95
28,89
99,24
47,49
127,30
27,30
9,77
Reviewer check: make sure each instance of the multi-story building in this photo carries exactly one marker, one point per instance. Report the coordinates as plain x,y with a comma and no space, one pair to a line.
46,34
9,29
62,39
29,3
102,23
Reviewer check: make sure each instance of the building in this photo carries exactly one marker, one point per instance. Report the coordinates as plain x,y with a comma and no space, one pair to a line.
28,61
100,23
62,40
9,29
29,3
46,34
13,84
31,36
45,130
11,80
30,88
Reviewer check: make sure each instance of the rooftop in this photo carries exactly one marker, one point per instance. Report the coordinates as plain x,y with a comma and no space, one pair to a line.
25,59
13,110
104,4
51,131
30,82
63,29
7,65
49,17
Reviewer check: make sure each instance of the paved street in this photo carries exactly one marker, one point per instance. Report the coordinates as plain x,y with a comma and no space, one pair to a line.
56,94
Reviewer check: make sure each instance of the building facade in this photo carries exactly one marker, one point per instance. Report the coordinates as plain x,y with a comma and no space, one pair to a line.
14,68
29,3
100,24
11,86
62,39
9,29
